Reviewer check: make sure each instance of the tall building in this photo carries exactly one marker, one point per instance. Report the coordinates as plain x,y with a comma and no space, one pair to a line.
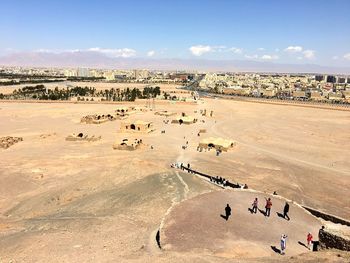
70,72
109,75
83,72
141,74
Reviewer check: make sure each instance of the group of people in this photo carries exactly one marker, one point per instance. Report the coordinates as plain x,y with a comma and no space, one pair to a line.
219,180
283,241
268,206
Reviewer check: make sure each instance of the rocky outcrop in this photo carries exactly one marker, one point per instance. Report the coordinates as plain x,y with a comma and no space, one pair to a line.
6,142
329,238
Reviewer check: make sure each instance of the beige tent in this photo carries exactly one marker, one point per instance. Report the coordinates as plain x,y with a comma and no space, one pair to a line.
217,143
136,126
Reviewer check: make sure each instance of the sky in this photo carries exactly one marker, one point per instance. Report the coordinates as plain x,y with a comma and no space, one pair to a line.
295,31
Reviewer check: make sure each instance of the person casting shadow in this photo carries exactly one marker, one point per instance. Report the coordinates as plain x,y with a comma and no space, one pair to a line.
227,212
285,211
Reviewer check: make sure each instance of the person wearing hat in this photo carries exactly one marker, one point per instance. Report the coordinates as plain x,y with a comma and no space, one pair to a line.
283,244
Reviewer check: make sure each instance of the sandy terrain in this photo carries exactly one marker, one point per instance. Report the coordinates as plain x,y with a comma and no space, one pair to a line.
66,201
197,225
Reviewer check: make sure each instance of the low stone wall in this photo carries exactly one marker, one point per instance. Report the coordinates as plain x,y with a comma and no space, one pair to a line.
331,240
327,217
229,184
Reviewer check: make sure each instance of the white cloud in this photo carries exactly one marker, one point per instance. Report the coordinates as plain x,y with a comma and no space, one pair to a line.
269,57
151,53
200,50
261,49
335,57
218,48
251,56
347,56
293,49
43,50
121,52
309,54
236,50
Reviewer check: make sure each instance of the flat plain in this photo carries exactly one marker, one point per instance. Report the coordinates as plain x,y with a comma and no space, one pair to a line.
63,201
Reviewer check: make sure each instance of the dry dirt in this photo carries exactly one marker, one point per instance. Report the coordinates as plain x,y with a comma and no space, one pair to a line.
66,201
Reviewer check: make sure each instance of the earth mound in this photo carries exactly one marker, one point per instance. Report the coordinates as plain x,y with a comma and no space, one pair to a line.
197,225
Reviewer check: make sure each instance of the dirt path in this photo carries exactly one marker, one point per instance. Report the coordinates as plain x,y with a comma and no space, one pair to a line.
152,246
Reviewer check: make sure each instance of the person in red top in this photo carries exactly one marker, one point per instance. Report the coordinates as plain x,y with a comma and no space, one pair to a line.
268,207
309,238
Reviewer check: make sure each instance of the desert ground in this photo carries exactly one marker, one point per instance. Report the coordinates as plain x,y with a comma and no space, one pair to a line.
64,201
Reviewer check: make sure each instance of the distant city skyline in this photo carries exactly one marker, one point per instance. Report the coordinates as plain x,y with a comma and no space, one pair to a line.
295,32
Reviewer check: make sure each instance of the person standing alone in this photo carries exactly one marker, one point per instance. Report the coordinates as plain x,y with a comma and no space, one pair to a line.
227,212
283,244
285,211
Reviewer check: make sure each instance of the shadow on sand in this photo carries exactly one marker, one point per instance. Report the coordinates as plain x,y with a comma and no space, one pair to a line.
302,244
280,215
224,217
262,211
275,249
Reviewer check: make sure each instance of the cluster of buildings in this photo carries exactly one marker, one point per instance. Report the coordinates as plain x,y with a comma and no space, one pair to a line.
109,75
30,71
283,86
136,75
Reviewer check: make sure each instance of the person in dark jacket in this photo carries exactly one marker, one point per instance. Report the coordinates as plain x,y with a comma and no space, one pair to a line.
285,211
227,212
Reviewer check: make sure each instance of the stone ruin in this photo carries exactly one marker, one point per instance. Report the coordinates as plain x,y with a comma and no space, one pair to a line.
128,145
165,113
136,126
97,119
82,137
335,237
7,141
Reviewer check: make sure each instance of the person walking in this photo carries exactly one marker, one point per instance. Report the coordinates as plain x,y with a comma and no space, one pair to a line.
255,205
283,244
268,207
309,240
227,211
285,211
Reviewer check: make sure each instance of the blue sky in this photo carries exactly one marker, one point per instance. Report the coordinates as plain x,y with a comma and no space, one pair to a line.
308,31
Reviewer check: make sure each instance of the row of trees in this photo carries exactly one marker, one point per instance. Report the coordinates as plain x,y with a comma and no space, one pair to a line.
40,92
